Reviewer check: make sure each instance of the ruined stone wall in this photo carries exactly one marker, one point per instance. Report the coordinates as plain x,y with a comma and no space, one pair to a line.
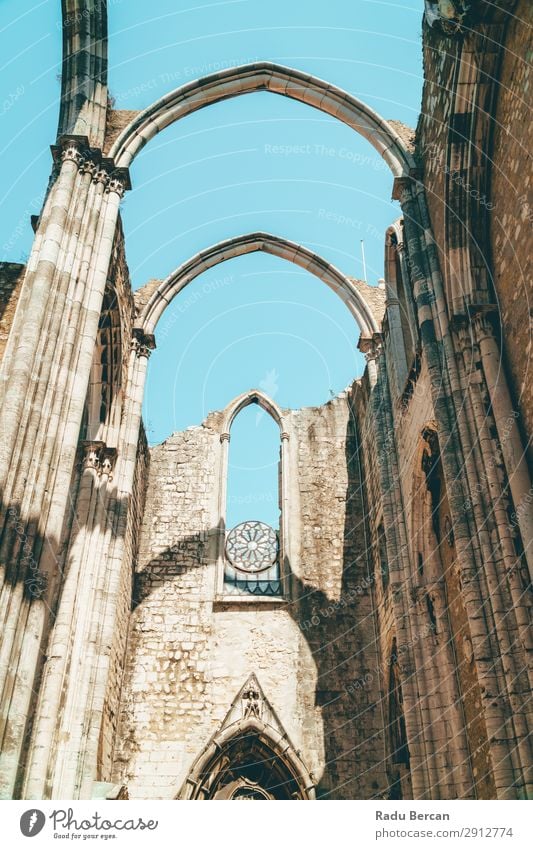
11,277
188,656
512,216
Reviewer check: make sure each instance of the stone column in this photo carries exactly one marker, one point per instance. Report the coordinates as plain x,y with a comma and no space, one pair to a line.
45,376
457,458
63,761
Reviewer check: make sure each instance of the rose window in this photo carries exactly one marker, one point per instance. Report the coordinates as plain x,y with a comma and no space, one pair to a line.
252,547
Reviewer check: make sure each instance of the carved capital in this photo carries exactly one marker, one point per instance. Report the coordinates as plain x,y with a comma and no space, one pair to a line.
371,346
91,455
482,318
71,148
142,343
107,461
118,178
98,457
403,186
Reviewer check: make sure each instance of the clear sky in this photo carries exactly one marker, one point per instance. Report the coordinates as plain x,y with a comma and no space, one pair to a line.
259,162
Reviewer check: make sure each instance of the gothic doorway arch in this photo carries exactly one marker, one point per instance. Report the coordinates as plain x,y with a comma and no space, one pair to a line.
250,757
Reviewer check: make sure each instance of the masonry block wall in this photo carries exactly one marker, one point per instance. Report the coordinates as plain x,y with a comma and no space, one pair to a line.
188,656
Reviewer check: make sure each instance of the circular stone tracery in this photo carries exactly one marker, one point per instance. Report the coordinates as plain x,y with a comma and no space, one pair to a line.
252,546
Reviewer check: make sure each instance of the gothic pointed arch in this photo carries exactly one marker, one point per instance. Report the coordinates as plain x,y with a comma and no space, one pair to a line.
250,243
250,756
252,396
234,578
264,76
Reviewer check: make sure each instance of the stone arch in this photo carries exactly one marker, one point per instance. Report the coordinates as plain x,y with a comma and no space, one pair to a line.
252,396
265,744
103,405
240,245
263,76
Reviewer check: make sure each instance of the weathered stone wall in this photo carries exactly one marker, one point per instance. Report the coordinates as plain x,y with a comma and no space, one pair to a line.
188,656
512,216
11,277
439,55
110,717
474,150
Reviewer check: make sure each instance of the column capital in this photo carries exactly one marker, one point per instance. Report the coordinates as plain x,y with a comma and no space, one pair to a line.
371,346
90,160
402,186
99,457
476,317
92,450
142,343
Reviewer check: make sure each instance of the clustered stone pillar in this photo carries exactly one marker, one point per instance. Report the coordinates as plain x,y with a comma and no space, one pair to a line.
68,719
45,375
487,593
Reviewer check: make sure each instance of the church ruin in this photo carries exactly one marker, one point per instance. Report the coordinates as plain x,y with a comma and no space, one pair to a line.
378,643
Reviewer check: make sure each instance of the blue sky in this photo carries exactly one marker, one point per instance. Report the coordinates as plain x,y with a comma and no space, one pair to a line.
256,320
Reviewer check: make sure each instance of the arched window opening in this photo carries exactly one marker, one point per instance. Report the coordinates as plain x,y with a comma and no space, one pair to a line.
398,762
253,504
102,413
